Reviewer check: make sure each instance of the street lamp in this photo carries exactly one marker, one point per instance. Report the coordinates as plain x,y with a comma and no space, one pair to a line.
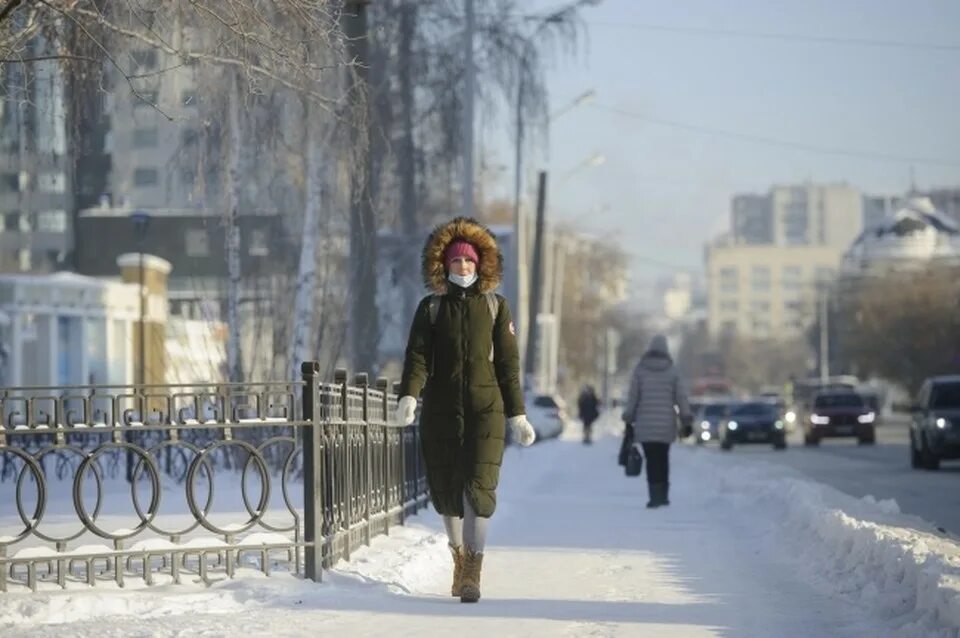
584,98
595,159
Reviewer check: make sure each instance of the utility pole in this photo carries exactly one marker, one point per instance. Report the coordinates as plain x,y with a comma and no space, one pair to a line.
536,276
470,81
824,334
363,231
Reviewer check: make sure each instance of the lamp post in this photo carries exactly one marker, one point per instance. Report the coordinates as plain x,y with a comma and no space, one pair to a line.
141,223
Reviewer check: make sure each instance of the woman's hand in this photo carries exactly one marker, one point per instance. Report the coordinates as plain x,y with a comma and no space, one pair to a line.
406,410
523,432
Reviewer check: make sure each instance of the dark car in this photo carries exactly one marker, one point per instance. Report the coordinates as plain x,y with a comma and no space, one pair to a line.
935,427
839,413
753,422
708,419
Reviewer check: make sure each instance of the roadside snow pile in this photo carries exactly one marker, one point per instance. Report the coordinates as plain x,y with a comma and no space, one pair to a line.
863,549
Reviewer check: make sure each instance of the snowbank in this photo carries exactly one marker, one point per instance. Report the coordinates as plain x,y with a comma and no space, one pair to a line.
863,549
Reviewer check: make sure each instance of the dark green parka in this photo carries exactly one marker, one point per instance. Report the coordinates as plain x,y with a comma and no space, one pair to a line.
466,397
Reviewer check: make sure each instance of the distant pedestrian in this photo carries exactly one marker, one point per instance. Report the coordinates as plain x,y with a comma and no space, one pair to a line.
655,399
462,354
588,406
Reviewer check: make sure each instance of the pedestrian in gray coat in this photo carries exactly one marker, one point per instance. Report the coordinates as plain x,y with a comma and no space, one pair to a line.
657,397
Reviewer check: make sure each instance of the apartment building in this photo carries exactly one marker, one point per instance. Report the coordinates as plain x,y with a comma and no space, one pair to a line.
766,291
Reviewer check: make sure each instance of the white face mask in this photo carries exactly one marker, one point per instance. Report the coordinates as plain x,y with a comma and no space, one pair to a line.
464,281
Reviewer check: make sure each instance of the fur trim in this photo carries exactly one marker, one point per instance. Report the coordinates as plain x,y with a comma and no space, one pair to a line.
490,268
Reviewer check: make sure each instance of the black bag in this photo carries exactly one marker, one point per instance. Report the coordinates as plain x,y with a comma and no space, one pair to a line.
625,444
634,461
686,427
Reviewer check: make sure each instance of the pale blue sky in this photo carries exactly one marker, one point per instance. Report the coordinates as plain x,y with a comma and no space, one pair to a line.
668,190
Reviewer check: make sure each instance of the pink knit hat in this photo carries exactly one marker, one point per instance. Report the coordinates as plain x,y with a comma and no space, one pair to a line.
460,248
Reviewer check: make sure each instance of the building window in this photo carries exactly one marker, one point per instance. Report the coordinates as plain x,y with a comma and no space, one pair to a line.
146,98
52,221
9,182
197,242
729,305
189,98
145,137
144,60
824,275
145,177
258,243
794,306
729,279
16,222
52,182
760,278
760,306
728,328
792,277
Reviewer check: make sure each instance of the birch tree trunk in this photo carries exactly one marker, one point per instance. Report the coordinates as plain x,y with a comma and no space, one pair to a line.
234,191
304,291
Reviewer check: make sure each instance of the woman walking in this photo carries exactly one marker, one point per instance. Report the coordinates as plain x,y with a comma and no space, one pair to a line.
655,399
462,356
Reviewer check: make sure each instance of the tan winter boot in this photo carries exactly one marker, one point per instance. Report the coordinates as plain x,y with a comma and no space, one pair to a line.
457,553
472,562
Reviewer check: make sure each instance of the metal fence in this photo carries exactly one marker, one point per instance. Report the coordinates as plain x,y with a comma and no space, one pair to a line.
136,447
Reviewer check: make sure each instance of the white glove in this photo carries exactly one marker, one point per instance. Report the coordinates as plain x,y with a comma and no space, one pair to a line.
406,410
523,432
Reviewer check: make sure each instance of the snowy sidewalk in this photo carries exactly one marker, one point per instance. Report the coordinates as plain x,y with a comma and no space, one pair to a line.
741,551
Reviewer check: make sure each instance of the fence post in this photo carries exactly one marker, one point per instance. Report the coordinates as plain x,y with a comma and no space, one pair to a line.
384,387
362,382
312,475
346,467
403,463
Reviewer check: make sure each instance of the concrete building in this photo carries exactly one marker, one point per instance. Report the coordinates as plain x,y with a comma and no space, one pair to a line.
35,181
798,215
765,291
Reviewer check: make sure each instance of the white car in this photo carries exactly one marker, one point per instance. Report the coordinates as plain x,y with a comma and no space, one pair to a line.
546,413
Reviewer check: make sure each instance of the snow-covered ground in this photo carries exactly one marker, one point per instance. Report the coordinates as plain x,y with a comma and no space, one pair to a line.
745,549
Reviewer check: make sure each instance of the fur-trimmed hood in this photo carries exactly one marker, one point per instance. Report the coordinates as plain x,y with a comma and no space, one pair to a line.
490,268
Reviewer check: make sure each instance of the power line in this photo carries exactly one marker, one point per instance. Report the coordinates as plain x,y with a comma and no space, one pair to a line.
786,37
770,141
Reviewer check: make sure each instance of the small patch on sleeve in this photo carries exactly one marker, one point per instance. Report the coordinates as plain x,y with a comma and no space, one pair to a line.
513,330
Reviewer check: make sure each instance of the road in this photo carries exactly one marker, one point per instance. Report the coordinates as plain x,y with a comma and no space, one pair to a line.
881,470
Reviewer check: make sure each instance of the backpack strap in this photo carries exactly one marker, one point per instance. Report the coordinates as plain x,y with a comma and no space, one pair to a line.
434,308
493,303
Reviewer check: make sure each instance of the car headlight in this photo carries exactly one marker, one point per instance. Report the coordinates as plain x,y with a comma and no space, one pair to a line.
816,419
942,423
732,425
778,425
869,417
790,416
705,425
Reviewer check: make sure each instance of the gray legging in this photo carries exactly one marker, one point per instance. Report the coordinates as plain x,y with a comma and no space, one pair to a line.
471,530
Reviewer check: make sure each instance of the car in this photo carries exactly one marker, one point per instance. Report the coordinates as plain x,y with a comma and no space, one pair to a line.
547,415
935,423
753,422
707,419
839,413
